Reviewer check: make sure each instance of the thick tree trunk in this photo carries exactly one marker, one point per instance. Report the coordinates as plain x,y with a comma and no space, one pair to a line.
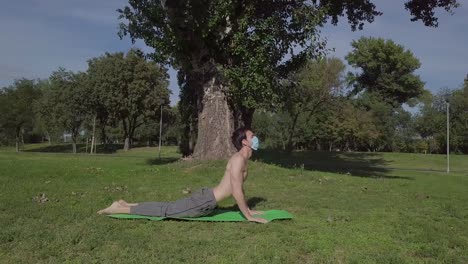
74,144
103,134
215,123
246,117
127,144
22,140
93,141
17,144
290,145
127,134
192,137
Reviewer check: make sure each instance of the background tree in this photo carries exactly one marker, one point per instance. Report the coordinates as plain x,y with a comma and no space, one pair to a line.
385,82
429,122
314,86
129,88
459,112
66,102
187,114
272,128
44,109
386,71
16,107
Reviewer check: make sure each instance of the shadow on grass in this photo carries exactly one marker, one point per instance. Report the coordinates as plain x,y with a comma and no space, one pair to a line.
370,165
80,148
157,161
251,202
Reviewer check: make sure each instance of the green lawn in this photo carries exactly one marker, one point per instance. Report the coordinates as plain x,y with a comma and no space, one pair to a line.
348,208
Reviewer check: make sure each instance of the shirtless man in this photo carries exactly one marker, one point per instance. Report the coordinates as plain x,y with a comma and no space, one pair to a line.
205,200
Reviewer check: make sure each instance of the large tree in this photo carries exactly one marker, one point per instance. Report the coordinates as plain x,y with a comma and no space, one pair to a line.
459,119
386,70
48,124
233,52
129,89
313,86
66,102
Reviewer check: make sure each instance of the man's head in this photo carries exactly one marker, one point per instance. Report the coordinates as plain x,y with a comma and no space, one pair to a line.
244,137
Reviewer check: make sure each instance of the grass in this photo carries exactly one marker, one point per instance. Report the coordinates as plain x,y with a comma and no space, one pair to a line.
348,208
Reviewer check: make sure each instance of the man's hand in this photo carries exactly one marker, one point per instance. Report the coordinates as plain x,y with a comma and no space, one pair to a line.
253,212
258,220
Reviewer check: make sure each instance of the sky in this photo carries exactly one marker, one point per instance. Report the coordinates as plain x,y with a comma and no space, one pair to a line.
39,36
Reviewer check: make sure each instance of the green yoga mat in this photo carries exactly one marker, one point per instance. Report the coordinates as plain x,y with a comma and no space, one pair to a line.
217,216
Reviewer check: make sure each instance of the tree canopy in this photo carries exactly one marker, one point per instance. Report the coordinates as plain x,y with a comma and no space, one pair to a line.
127,88
234,53
386,69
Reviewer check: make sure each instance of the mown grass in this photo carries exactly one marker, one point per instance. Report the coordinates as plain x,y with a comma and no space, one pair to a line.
348,208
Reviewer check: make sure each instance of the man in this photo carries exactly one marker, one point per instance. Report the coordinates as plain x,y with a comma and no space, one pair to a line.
205,200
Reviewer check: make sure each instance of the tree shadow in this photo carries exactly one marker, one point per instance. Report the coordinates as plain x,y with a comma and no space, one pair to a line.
80,148
251,202
369,165
157,161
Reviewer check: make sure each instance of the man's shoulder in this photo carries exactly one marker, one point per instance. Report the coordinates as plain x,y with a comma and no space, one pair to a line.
236,158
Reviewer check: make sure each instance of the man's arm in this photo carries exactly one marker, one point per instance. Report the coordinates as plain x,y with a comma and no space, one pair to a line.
237,182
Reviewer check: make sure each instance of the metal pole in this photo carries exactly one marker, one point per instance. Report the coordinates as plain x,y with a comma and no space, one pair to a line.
93,143
160,132
448,139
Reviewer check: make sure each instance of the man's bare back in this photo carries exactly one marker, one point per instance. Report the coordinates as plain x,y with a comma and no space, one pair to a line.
224,188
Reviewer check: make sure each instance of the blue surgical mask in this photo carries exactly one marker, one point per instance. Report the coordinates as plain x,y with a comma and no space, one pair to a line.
255,143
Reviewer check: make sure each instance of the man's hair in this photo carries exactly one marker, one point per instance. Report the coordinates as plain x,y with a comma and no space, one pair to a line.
239,135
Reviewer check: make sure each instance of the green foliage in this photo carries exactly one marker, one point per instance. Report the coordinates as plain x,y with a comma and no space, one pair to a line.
250,41
64,105
249,44
431,121
128,90
387,69
17,116
459,119
313,89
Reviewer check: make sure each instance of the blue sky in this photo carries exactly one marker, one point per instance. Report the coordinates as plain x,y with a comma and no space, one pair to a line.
38,36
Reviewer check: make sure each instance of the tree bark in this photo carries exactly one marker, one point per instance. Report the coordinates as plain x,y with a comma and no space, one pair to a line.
126,135
22,140
192,137
247,116
290,144
74,144
127,143
93,140
17,143
215,123
103,134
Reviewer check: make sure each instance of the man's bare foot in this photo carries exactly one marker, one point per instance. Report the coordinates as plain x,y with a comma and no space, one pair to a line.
124,203
115,208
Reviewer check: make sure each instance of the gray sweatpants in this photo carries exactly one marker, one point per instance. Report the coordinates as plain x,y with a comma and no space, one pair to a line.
199,203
